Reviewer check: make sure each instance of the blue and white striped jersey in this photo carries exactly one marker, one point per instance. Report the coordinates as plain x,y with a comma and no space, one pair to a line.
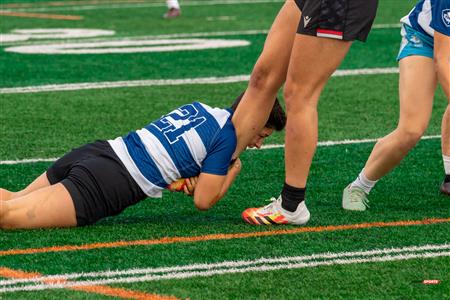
428,16
192,139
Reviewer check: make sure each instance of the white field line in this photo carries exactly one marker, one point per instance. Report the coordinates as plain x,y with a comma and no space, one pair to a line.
104,6
343,142
234,267
264,147
227,264
169,82
386,26
27,161
142,37
166,36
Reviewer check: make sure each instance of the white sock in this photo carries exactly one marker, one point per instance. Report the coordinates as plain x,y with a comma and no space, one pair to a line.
173,4
364,183
446,164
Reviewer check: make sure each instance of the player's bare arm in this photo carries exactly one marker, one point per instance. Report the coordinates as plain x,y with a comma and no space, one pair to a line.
211,188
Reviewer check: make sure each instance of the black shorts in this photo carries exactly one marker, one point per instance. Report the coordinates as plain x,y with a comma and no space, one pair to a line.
97,180
346,20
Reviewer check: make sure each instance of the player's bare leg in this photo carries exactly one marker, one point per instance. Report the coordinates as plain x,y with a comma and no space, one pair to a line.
415,112
37,184
313,61
445,140
267,76
50,206
442,62
173,9
446,132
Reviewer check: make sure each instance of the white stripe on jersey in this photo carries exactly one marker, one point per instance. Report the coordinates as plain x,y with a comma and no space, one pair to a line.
147,187
221,115
195,144
424,18
159,155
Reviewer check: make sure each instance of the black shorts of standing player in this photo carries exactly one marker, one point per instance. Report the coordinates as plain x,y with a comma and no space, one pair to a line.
346,20
97,181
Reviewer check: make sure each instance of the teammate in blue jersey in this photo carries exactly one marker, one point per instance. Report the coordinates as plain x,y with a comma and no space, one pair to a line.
101,179
424,60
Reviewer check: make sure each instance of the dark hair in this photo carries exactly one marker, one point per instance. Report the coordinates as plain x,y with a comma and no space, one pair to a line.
277,117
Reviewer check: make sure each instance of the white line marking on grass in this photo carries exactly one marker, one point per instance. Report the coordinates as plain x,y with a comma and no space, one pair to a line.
386,26
168,82
104,6
128,46
343,142
27,161
226,264
264,147
22,35
226,267
143,37
179,35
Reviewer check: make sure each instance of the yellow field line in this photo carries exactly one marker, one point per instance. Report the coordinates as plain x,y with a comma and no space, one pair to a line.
225,236
39,16
96,289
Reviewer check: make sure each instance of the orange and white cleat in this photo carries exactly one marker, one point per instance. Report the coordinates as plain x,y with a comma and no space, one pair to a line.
273,213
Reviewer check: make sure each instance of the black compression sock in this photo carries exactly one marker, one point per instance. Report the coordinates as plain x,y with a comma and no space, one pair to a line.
291,197
447,178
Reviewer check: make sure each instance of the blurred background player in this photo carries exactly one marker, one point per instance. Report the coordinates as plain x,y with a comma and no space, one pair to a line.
174,9
307,42
424,60
103,178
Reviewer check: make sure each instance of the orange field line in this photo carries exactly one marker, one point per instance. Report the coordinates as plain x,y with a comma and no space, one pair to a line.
17,274
39,16
224,236
96,289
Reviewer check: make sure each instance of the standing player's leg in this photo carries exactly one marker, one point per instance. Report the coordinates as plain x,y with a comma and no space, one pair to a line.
445,133
51,206
173,9
268,75
38,183
416,105
442,62
312,62
326,31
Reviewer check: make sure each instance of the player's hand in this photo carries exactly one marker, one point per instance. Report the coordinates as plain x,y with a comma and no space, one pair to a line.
189,186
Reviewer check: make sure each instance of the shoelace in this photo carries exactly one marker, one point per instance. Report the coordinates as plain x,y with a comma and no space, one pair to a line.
272,201
356,195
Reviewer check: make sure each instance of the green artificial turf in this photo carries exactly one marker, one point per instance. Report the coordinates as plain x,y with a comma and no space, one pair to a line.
45,125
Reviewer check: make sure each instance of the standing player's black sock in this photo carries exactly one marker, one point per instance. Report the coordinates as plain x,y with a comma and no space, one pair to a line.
447,178
291,197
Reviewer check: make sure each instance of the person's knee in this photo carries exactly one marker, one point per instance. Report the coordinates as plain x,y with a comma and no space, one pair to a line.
410,136
298,97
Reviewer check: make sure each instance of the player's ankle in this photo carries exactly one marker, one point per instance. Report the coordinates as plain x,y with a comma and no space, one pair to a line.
447,178
291,197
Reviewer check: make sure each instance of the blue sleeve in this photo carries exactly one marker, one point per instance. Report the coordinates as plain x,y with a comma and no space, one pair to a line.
440,10
219,155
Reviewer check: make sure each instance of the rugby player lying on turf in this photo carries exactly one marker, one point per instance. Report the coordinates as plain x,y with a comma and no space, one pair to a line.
101,179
